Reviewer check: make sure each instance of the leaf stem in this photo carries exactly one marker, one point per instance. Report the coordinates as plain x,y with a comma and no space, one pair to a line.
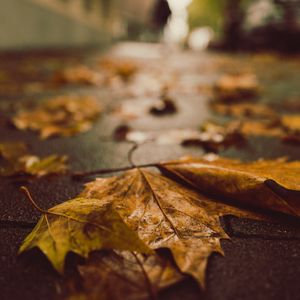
26,192
107,171
130,154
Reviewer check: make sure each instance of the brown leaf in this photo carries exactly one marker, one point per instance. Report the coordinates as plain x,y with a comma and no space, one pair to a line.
287,128
235,88
293,139
121,68
165,106
113,274
251,127
121,132
52,164
19,161
291,123
12,150
261,128
290,104
212,136
80,226
269,184
167,215
77,75
65,116
243,110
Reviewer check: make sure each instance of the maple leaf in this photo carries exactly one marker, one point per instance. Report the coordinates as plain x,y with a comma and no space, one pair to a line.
112,274
19,161
80,225
65,116
165,214
269,184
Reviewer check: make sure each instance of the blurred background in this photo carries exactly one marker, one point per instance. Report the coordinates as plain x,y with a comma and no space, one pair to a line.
197,24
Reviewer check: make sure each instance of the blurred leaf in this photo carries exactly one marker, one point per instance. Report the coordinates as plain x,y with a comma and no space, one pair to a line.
243,110
236,88
18,161
12,150
291,123
77,75
62,116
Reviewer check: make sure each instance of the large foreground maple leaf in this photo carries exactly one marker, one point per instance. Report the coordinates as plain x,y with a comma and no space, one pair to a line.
163,213
141,211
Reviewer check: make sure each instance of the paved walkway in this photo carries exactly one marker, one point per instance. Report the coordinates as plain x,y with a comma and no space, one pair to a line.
262,261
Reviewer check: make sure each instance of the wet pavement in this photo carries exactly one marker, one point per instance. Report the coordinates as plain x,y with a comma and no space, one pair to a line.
261,261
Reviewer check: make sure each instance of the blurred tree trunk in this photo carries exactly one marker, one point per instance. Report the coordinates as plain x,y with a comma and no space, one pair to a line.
290,12
233,22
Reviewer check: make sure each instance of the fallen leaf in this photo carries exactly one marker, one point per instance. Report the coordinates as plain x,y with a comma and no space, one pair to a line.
287,128
251,127
112,274
53,164
17,160
261,128
77,75
290,104
165,214
121,68
214,137
268,184
291,123
65,116
243,110
12,150
236,88
121,132
165,106
293,139
81,225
